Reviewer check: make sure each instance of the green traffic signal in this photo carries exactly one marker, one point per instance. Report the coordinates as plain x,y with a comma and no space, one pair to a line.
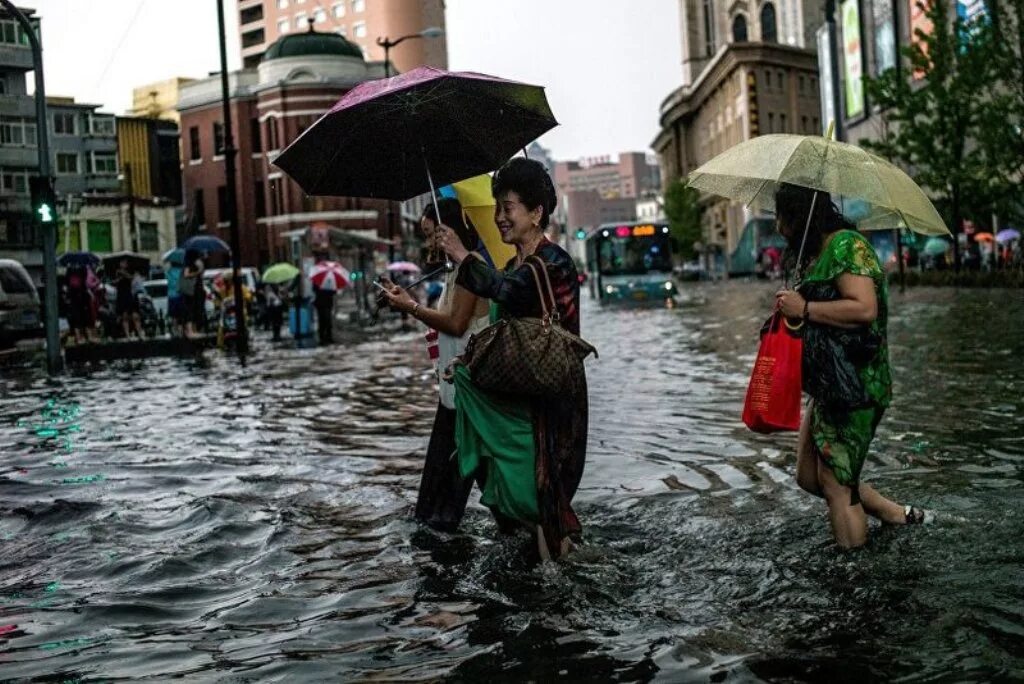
45,212
44,199
581,234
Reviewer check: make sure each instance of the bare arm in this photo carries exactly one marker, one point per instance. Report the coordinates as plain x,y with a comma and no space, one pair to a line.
856,306
456,322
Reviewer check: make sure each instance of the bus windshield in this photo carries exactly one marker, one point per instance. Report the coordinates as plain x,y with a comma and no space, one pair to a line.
634,255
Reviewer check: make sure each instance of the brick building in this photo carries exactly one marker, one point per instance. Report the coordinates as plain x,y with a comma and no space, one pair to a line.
298,79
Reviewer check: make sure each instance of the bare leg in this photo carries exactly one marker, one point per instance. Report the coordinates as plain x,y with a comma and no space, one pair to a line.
877,506
849,523
126,325
542,545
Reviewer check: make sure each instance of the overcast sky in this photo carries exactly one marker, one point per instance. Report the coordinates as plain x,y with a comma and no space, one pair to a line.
606,64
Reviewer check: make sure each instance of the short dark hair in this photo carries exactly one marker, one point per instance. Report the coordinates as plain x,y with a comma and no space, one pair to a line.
530,180
456,219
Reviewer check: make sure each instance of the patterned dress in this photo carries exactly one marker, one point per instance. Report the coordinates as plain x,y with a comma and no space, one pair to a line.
533,452
842,441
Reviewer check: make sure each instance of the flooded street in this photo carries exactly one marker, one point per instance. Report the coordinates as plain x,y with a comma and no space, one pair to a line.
173,518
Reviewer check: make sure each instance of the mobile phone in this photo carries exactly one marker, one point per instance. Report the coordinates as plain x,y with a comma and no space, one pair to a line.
379,286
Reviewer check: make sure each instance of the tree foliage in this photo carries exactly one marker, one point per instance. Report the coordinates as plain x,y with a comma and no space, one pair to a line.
683,210
948,119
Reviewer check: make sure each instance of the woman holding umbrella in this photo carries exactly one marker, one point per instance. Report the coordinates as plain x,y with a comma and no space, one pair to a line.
532,452
843,286
443,492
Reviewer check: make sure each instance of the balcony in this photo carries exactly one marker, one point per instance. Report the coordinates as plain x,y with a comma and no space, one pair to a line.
19,157
15,57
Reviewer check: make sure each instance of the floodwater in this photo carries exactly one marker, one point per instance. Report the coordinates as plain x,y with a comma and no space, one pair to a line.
199,520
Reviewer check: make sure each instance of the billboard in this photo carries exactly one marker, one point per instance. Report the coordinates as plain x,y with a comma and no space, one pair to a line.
919,22
853,59
828,111
884,30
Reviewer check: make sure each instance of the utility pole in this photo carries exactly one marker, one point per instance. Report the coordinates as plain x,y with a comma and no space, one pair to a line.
54,361
232,206
133,226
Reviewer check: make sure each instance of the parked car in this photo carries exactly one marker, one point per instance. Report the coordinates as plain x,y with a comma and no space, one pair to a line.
157,291
20,308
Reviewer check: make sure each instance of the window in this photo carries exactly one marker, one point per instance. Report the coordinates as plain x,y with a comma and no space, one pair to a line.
800,85
193,140
359,29
771,122
254,135
198,208
283,26
12,34
149,236
782,123
101,125
803,125
222,203
709,28
300,21
768,31
320,16
3,86
272,141
15,131
739,29
14,182
338,10
64,124
67,162
218,138
358,5
99,236
282,4
259,198
814,124
767,80
104,163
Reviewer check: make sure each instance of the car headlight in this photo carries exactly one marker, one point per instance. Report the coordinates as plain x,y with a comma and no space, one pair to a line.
611,289
669,286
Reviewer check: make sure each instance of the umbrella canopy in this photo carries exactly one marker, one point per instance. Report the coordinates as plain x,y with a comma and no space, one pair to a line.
206,243
379,138
280,273
78,259
137,263
175,257
936,246
984,237
475,196
329,275
404,267
1007,235
753,170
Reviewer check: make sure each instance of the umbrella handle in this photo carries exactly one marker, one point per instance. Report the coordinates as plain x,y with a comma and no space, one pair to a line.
448,266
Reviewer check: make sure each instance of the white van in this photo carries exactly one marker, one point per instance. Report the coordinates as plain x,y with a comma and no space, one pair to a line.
20,309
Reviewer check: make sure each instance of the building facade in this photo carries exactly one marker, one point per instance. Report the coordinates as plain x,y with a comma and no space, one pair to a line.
749,68
600,190
298,79
83,146
262,22
158,100
149,152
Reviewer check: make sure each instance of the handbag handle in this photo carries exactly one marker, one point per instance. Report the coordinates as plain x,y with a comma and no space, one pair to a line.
552,312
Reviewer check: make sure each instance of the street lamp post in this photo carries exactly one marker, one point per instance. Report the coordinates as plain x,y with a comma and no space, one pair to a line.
431,32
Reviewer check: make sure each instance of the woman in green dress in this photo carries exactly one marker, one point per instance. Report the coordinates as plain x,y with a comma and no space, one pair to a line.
842,293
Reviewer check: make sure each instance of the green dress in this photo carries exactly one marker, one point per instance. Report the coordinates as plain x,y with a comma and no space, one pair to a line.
842,442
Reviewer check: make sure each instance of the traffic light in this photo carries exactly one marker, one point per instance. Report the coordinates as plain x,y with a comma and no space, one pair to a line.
44,199
581,233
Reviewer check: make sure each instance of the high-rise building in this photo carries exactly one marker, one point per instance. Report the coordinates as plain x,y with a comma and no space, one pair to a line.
747,69
261,22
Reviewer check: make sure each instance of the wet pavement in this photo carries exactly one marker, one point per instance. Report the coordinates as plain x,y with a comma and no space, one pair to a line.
181,518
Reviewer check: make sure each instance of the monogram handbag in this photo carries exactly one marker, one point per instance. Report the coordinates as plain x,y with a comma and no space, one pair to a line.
528,357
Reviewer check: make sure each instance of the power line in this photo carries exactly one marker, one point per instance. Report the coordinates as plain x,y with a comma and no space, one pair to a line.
120,42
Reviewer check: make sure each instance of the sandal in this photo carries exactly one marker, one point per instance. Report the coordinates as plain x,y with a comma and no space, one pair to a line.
916,516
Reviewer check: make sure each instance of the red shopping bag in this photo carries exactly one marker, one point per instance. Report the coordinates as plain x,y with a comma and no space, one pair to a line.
773,396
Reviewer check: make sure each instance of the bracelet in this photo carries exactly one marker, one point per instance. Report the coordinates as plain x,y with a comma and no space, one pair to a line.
415,308
807,311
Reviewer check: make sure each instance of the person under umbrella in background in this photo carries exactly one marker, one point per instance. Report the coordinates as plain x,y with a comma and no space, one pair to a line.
81,320
275,310
843,288
323,301
192,289
443,491
127,304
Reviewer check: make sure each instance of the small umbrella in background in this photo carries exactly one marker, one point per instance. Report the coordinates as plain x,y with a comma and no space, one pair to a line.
936,246
279,273
1007,235
329,275
78,259
206,243
984,237
174,257
403,267
137,263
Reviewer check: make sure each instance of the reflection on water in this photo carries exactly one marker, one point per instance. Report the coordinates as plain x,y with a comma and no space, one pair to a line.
168,519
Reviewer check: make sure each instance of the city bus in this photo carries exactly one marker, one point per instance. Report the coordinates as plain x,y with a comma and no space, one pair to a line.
630,262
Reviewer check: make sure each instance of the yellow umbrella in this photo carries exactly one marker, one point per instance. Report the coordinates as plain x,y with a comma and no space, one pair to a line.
753,170
475,197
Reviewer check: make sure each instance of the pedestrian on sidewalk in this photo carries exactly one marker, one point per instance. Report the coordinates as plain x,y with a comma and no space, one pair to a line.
275,310
460,313
192,289
127,304
842,290
323,301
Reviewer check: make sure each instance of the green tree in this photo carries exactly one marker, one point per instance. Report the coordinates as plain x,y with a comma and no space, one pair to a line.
683,210
937,116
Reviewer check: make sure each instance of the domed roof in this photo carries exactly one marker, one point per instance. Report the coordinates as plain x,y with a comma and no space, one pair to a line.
312,43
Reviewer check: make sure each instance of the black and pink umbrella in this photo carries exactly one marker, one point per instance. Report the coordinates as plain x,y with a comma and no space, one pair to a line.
399,137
